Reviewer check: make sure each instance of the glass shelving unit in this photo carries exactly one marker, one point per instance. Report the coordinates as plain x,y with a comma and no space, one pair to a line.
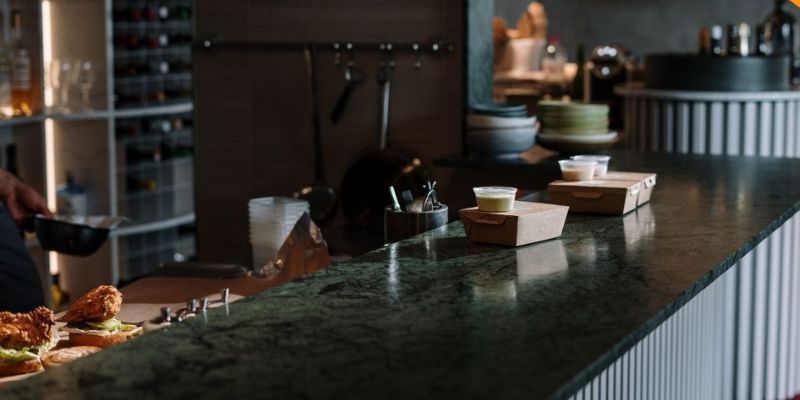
141,101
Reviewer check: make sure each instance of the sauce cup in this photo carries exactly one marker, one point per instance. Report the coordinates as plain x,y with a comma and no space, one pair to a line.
573,170
602,163
495,198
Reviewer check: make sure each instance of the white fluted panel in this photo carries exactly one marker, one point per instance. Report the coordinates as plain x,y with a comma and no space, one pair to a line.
791,129
754,124
766,129
733,113
739,338
717,129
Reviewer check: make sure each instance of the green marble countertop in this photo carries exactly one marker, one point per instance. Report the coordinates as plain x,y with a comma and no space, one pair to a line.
438,317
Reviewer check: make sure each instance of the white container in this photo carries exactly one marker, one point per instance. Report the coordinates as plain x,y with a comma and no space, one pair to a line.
495,198
525,54
72,199
573,170
271,221
602,163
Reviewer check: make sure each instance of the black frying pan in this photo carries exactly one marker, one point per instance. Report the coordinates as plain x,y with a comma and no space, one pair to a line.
67,237
365,187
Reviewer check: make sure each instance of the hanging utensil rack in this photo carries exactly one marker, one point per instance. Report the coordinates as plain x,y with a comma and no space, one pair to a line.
435,47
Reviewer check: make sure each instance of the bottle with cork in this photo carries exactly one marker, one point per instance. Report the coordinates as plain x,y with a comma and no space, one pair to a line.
21,89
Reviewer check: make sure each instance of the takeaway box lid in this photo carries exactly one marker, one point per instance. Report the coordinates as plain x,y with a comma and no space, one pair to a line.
600,186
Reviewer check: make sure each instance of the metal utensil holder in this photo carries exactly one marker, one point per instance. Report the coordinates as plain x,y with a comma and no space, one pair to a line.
399,225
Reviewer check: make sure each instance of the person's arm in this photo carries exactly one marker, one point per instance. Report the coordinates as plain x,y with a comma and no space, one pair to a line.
20,199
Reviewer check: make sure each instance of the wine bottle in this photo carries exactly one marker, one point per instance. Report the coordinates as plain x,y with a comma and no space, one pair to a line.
6,108
21,89
779,25
576,92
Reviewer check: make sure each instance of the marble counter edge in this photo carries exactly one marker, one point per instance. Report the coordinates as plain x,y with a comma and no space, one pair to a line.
629,341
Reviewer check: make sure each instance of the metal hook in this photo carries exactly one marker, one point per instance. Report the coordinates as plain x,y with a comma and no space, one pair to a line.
337,55
388,54
351,54
417,57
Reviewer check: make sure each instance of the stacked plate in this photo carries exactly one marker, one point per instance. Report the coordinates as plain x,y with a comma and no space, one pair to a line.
573,127
499,130
271,221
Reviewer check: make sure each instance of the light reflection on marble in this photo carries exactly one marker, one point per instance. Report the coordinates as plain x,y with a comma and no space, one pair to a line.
639,225
496,290
393,282
540,259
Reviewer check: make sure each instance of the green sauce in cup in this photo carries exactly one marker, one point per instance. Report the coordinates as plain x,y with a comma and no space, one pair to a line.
495,198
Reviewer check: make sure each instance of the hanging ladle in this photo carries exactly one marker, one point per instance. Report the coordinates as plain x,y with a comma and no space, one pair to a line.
352,78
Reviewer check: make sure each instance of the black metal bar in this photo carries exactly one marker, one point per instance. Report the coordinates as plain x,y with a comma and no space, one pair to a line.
436,47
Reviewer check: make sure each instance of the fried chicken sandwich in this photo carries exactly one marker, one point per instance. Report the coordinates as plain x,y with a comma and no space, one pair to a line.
91,320
24,337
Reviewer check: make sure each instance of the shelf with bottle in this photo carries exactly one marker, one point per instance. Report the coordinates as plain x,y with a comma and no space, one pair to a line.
20,87
21,149
126,56
144,252
152,63
91,115
181,137
174,90
138,229
131,55
152,53
161,80
127,38
156,191
88,115
172,134
22,120
155,167
137,112
138,11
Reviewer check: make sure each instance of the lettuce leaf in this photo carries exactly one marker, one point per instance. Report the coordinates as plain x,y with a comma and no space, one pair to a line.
12,356
110,325
44,348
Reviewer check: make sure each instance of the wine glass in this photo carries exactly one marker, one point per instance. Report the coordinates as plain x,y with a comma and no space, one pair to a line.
60,80
84,79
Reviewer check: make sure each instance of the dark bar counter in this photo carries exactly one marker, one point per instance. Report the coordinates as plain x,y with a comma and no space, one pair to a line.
435,316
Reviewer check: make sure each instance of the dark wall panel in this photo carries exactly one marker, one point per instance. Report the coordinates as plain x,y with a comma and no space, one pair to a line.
253,129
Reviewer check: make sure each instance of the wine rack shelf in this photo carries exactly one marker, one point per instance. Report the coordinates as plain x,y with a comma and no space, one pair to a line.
124,131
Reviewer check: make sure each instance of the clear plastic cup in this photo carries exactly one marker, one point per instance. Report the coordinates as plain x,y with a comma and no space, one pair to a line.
573,170
495,198
602,163
271,221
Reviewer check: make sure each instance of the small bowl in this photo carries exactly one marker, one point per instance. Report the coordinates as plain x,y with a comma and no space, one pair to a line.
478,121
495,198
501,143
602,163
573,170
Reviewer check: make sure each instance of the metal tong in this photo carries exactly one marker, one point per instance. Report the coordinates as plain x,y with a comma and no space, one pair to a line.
431,201
193,306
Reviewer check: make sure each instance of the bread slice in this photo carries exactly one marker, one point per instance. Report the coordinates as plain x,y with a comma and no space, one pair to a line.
65,355
24,367
95,340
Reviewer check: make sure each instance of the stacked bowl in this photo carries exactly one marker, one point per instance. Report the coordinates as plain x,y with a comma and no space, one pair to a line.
500,131
575,127
271,221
